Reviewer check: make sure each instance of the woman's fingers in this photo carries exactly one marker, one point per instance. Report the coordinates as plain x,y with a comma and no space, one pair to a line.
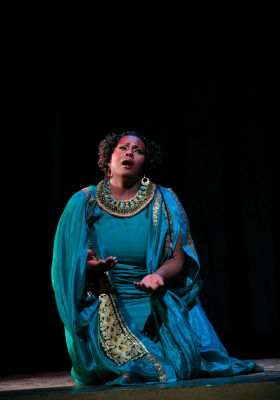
100,265
138,285
144,287
150,283
90,254
110,261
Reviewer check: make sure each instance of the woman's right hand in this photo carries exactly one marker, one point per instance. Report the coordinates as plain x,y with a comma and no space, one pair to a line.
99,266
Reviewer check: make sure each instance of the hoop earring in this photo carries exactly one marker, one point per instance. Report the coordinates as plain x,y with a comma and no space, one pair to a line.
145,181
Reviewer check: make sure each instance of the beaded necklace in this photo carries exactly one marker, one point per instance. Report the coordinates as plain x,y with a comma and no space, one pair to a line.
124,208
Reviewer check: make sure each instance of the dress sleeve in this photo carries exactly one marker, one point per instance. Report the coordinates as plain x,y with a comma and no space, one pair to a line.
181,216
69,263
193,281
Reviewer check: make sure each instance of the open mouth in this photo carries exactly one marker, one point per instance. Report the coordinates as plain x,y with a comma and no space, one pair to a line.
128,163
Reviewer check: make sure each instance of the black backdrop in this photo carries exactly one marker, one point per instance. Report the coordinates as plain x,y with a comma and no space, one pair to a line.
203,83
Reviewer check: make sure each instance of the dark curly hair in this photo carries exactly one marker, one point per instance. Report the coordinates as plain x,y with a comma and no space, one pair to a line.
153,153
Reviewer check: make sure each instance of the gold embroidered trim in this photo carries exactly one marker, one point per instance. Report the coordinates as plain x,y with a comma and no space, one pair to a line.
185,217
156,210
87,192
158,367
91,200
117,341
124,208
169,235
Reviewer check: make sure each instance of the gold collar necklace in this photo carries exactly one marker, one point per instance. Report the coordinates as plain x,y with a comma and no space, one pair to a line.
125,208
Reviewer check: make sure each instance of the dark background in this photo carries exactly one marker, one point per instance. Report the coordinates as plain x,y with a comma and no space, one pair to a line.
203,82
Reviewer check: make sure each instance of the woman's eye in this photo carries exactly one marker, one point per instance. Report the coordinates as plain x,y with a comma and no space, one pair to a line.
122,147
139,151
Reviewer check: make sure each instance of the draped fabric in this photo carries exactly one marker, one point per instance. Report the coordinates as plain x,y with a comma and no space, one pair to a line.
104,340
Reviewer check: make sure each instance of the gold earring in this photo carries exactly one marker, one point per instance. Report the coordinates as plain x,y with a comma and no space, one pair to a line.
145,181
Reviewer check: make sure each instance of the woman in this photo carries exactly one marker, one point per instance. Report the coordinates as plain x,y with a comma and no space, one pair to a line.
125,288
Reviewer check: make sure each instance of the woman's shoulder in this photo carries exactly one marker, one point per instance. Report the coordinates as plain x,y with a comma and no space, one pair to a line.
168,193
89,191
82,195
171,199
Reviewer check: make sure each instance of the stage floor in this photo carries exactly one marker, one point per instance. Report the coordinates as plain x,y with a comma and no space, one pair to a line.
54,385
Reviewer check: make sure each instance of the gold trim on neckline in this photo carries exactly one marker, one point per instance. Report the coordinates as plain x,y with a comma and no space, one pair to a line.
124,208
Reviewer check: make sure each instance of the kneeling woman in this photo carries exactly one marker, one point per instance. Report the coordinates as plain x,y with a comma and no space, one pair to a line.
125,292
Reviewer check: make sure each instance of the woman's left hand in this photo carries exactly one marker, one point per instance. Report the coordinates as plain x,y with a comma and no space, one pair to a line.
150,283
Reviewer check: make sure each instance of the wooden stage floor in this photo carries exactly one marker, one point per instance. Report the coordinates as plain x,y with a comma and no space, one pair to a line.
60,385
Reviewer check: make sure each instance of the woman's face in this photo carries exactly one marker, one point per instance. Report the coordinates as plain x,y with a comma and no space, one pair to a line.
128,158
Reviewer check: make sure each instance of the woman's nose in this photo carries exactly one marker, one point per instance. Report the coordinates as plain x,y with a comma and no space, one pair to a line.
129,152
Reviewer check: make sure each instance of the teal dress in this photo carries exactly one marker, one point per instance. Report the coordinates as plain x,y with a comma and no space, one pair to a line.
127,240
115,333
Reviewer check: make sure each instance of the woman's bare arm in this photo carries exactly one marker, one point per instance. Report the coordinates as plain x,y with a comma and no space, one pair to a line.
167,271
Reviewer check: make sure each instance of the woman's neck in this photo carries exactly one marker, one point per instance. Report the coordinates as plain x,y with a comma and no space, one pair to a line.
124,189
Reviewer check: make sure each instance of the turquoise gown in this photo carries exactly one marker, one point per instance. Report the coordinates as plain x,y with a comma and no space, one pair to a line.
115,333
